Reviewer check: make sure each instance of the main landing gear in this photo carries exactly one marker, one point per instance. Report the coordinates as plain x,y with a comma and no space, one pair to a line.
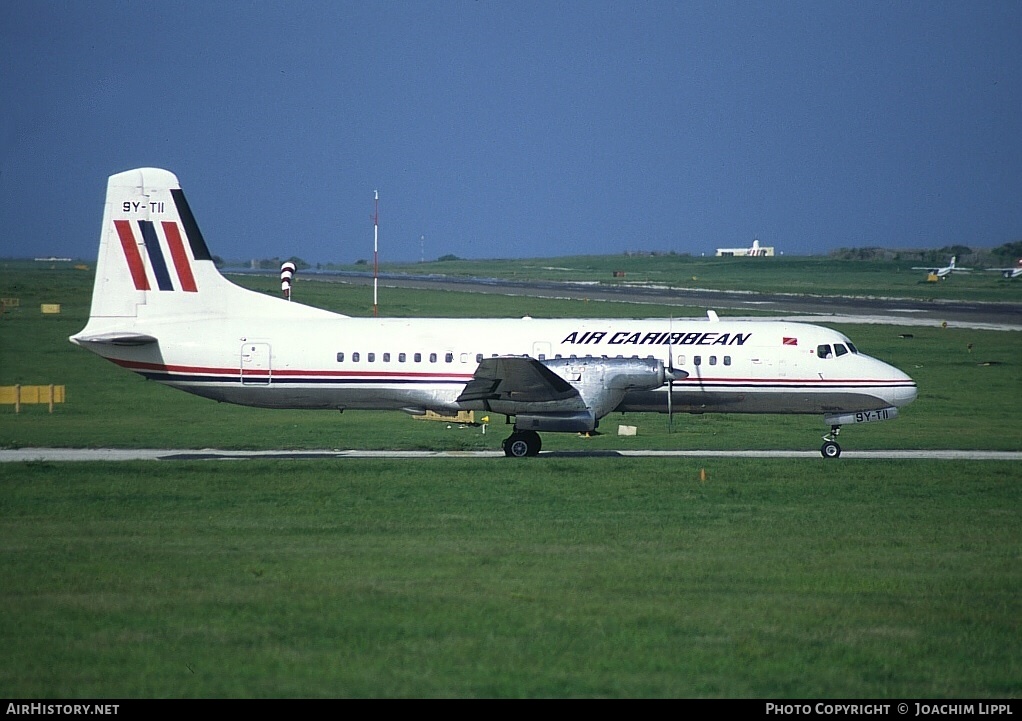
830,448
521,444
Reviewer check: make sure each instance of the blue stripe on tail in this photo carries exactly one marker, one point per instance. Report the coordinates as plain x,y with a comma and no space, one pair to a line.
152,244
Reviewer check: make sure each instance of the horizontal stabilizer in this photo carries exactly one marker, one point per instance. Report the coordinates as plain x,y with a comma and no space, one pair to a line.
115,338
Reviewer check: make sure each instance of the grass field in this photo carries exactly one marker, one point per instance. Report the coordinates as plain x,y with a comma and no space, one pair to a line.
816,275
592,578
548,577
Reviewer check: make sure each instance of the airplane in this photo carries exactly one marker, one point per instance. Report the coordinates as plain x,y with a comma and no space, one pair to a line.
944,271
160,308
1010,272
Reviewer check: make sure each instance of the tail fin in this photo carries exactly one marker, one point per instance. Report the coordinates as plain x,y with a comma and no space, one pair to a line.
151,251
154,265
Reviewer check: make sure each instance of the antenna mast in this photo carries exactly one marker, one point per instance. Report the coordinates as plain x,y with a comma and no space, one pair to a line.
376,256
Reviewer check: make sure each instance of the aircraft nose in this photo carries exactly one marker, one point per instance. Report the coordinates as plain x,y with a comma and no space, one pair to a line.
905,395
904,390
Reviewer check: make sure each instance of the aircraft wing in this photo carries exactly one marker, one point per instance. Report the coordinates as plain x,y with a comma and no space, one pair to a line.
519,382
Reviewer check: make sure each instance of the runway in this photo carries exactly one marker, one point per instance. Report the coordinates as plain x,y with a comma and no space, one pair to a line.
796,307
61,455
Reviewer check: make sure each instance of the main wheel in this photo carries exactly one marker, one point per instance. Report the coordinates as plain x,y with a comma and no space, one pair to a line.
521,444
534,441
830,449
516,446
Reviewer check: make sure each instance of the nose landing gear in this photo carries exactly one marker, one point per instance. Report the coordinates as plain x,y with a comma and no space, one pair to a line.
830,448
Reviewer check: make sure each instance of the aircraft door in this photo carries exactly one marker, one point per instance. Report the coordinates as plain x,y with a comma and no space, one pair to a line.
255,364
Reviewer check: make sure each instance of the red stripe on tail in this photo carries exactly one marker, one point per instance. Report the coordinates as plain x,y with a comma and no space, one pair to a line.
131,253
177,252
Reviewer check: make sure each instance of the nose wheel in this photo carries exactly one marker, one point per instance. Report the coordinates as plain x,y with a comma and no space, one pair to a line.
830,448
521,444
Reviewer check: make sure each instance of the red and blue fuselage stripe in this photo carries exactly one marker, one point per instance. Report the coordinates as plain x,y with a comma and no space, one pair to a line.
200,374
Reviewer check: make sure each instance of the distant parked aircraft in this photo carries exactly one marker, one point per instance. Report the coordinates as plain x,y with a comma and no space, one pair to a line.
1010,272
944,271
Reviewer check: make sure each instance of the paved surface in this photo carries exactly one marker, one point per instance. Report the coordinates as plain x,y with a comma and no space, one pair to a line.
838,309
212,454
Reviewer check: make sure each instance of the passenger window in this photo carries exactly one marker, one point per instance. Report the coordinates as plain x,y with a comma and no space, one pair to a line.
479,357
464,357
681,360
401,357
354,357
371,357
839,350
432,357
386,357
448,358
697,360
823,351
418,357
340,357
713,360
727,360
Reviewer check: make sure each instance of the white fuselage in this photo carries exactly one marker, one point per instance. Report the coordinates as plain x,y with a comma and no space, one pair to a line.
419,364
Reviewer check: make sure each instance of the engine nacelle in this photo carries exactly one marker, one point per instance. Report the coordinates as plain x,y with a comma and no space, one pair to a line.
559,394
603,382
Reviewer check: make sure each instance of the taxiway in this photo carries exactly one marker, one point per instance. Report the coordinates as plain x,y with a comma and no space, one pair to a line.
24,455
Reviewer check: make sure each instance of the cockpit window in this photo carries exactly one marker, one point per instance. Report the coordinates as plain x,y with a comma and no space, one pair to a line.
852,348
823,351
839,350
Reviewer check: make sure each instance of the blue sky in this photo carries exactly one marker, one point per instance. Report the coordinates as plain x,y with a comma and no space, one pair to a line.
518,129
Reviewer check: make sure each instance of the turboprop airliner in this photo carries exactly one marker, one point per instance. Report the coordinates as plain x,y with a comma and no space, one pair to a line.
160,308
